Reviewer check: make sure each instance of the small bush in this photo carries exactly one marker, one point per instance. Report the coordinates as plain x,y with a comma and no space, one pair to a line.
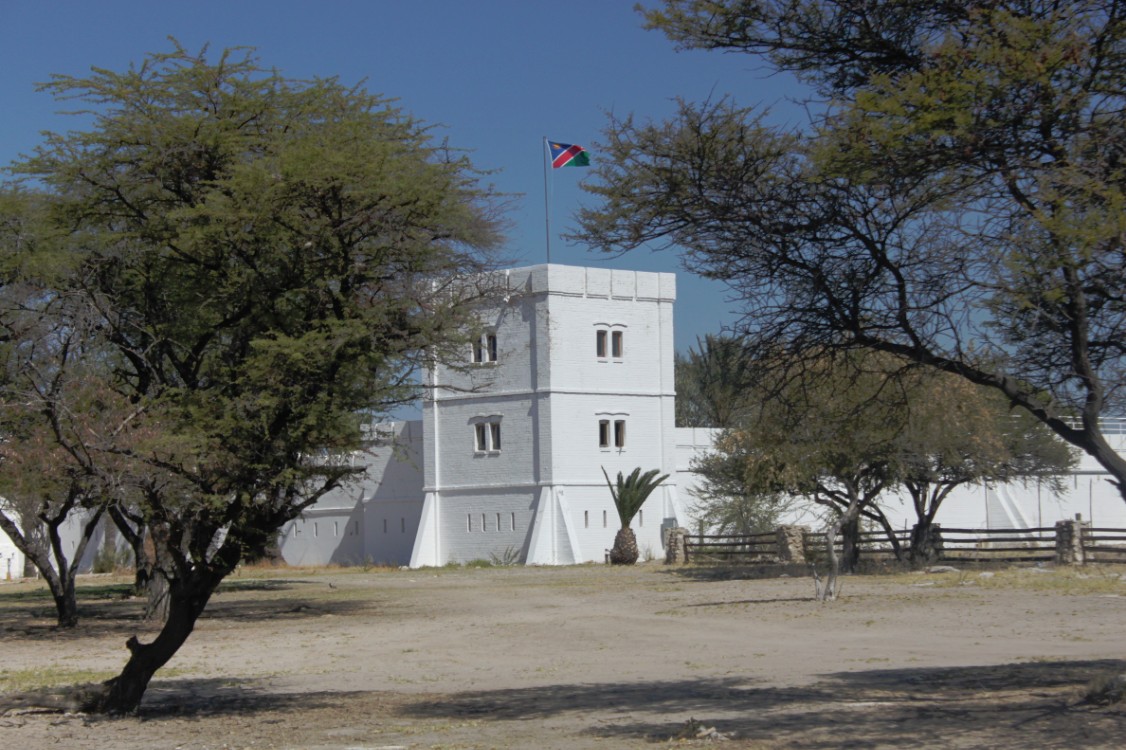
1105,690
510,556
479,562
112,561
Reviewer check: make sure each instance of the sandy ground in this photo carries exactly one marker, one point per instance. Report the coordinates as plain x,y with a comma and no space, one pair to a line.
595,657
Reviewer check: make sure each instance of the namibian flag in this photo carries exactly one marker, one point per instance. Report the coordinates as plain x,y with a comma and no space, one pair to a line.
568,155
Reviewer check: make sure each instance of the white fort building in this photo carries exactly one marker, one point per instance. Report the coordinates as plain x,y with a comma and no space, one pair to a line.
573,374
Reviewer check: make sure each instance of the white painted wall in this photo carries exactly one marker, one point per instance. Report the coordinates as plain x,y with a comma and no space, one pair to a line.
373,520
1087,492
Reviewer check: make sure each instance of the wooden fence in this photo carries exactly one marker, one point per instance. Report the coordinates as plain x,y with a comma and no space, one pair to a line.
740,548
961,545
1105,545
873,545
999,545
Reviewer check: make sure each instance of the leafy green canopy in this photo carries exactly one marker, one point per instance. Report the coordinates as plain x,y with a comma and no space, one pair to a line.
631,492
915,425
859,426
270,257
957,200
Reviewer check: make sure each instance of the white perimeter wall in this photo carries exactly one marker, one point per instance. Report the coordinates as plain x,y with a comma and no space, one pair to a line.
1087,492
372,520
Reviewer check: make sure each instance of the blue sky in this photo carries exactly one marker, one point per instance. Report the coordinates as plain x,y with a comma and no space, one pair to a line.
496,75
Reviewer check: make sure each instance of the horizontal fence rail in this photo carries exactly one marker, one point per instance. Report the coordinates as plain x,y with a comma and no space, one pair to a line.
949,544
1105,545
999,545
731,548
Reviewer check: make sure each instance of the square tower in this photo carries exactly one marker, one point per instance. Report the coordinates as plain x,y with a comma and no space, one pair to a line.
570,375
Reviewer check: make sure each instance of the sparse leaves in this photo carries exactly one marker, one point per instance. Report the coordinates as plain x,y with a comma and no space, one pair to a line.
956,201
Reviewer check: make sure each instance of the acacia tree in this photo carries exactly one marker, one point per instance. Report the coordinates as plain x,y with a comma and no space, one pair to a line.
854,428
269,259
957,433
42,490
829,436
716,387
57,416
956,202
49,485
727,501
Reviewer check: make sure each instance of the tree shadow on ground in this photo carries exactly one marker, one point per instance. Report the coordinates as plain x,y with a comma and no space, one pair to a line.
120,591
732,572
184,698
218,697
230,584
762,600
720,571
287,609
1006,706
123,617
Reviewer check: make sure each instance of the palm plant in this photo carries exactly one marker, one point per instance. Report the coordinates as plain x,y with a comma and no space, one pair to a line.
630,493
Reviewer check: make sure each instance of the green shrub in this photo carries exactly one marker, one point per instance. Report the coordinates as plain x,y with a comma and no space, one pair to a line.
109,560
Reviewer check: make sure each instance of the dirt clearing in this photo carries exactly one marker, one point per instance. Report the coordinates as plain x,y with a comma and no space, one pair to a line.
594,657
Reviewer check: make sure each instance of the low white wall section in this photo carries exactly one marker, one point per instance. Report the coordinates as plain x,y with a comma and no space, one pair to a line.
373,520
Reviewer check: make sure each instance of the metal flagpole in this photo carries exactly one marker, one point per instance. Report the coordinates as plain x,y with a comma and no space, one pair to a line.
546,206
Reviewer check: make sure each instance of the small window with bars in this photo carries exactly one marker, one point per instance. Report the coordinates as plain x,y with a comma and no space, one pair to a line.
486,436
485,349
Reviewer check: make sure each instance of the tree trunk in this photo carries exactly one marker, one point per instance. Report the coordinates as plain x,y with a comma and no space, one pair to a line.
65,600
66,603
43,548
157,595
144,557
827,591
926,543
847,522
879,517
1088,436
926,538
1109,459
157,589
850,538
187,600
624,551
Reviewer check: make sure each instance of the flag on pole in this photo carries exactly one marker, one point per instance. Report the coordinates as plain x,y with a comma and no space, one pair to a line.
568,155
